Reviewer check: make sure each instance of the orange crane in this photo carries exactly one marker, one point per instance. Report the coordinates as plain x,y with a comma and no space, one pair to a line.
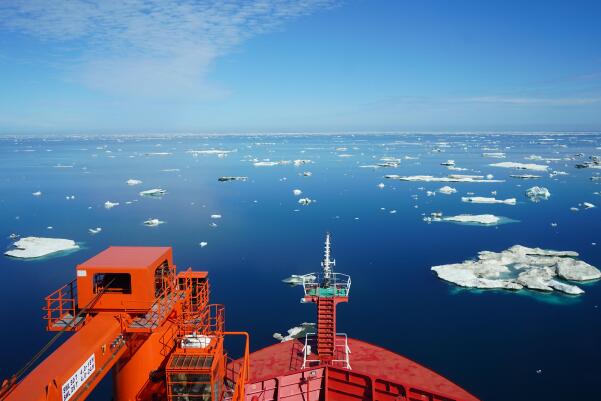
132,314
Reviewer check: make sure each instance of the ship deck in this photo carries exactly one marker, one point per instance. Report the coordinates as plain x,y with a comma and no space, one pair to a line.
370,363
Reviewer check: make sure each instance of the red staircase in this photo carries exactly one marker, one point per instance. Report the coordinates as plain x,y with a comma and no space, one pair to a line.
326,328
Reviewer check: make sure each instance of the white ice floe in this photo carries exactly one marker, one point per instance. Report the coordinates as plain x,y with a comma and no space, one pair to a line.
218,152
587,205
449,178
307,173
157,154
94,230
265,164
481,199
35,247
153,222
525,176
305,201
494,155
296,279
215,216
133,182
447,190
232,178
448,163
521,166
485,219
37,193
203,244
301,162
537,194
110,205
295,332
296,192
153,192
520,267
381,185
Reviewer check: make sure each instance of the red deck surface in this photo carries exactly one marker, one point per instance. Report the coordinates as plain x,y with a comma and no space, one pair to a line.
284,358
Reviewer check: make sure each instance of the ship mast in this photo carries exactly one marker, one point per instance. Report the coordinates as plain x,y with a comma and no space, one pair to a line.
327,263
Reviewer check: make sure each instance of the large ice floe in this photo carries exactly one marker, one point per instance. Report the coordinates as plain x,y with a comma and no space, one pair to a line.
35,247
521,267
449,178
482,199
472,219
521,166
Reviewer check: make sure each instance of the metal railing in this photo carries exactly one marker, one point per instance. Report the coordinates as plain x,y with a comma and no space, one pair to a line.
315,284
61,308
341,350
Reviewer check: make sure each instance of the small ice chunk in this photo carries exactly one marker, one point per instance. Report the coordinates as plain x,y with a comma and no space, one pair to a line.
110,205
153,192
215,216
94,230
153,222
297,192
133,181
588,205
203,244
37,193
381,185
305,201
447,190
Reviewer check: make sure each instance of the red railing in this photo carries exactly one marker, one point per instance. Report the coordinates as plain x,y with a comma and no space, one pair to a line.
61,307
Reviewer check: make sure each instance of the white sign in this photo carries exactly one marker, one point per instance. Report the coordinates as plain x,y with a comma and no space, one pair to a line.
82,273
79,378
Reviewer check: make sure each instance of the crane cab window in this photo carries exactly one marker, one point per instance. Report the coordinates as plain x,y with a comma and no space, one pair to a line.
115,283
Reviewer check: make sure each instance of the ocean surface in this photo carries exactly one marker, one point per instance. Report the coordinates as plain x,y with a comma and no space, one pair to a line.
497,344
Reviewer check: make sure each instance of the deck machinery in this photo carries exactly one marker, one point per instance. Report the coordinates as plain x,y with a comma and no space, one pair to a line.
131,314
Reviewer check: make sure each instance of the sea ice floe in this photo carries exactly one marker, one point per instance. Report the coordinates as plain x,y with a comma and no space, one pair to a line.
296,279
156,192
536,194
305,201
448,163
587,205
157,154
216,216
295,332
266,164
35,247
37,193
297,192
110,205
520,267
521,166
132,182
494,155
485,219
203,244
218,152
153,222
381,185
447,190
300,162
449,178
481,199
231,178
94,230
525,176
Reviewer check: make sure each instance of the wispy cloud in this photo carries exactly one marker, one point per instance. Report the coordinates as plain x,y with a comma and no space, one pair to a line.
150,47
550,101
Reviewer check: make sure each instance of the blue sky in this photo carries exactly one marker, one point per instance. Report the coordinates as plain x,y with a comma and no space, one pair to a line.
147,66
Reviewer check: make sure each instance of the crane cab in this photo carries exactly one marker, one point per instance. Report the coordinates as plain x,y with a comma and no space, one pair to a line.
129,278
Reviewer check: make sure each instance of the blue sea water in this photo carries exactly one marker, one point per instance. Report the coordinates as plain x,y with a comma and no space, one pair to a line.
490,342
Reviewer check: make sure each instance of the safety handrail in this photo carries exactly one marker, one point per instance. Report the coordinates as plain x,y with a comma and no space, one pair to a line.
245,366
